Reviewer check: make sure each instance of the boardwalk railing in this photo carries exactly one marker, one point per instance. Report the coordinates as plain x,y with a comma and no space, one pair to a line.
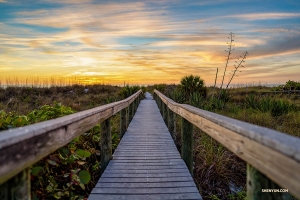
24,146
273,158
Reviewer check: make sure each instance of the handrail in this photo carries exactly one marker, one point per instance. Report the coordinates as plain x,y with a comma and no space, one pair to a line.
22,147
273,153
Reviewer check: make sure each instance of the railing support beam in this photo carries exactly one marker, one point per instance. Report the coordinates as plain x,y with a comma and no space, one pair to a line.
18,187
123,123
165,113
256,182
172,123
106,144
131,113
187,143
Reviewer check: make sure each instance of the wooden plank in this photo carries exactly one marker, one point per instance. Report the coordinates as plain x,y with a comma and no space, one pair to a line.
145,154
150,185
146,175
275,154
145,171
22,147
145,180
146,167
146,196
165,190
147,163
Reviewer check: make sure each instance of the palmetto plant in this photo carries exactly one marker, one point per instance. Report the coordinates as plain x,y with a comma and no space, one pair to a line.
127,91
197,100
191,84
177,96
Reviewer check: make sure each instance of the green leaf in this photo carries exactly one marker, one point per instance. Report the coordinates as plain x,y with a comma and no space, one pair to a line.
8,119
37,171
76,139
84,176
82,153
64,152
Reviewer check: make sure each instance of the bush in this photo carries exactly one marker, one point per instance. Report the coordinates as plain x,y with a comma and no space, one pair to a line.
127,91
191,84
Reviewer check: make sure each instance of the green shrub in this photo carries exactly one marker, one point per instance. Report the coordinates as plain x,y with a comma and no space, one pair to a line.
11,120
252,101
197,100
160,87
127,91
191,84
177,96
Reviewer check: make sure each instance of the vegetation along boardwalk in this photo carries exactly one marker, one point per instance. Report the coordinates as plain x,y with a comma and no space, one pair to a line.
146,164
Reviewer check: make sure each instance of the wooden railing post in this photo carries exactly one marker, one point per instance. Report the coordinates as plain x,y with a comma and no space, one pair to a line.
133,108
256,182
171,123
123,123
160,105
166,117
136,104
106,144
163,107
18,187
187,143
130,112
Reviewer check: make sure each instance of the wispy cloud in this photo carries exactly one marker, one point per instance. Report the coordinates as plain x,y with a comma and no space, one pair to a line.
144,42
265,16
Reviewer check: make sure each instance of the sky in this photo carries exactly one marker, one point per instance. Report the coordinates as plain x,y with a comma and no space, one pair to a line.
149,42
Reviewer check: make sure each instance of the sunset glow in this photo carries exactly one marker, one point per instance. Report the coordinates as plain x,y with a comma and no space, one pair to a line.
142,42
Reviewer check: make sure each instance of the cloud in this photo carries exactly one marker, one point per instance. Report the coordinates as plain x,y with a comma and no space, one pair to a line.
69,1
277,46
265,16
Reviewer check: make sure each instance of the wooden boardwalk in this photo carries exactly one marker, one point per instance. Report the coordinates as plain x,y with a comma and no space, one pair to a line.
146,164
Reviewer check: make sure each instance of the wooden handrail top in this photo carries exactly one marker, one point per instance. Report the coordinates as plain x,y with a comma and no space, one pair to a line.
275,154
22,147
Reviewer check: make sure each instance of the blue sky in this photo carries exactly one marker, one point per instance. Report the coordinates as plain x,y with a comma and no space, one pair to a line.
145,42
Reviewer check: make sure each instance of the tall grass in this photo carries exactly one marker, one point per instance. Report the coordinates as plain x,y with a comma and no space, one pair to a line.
55,81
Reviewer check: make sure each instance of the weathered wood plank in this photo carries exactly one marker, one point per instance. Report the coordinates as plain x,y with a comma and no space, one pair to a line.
147,167
150,185
146,196
146,175
144,180
165,190
144,171
275,154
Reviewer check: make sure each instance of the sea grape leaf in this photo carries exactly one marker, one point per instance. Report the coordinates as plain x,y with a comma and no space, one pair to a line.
82,153
84,177
37,171
64,152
